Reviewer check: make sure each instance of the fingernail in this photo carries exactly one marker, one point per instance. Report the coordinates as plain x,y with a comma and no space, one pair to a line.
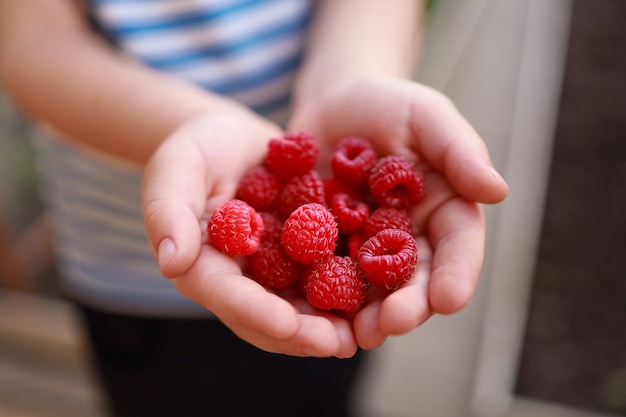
167,249
496,174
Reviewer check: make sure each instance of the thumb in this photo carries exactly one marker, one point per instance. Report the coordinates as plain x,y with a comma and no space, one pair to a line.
447,141
175,235
173,194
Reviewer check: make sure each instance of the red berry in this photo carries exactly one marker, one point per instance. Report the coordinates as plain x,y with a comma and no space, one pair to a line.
332,187
336,284
260,188
310,234
292,154
395,182
235,228
303,189
355,241
271,267
388,259
388,218
352,160
350,213
272,226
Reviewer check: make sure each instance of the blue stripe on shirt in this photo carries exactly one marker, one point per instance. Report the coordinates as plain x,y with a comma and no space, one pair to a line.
259,77
183,20
236,46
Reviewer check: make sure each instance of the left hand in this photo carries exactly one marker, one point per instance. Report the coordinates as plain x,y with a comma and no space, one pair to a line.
405,118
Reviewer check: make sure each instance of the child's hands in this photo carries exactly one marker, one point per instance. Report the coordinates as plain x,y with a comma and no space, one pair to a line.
209,155
405,118
192,173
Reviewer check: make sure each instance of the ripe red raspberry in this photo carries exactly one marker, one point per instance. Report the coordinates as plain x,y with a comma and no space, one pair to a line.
336,284
349,212
355,241
310,234
395,182
235,228
388,259
272,226
332,187
352,160
388,218
292,154
271,267
260,188
303,189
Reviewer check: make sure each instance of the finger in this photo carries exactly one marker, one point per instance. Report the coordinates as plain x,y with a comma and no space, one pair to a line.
342,326
173,201
439,191
193,172
316,336
450,144
367,326
406,118
457,233
215,282
400,311
408,307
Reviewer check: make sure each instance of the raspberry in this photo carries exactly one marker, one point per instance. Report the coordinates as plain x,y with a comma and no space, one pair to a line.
388,218
332,187
310,234
336,284
395,182
352,160
271,267
272,226
349,212
260,188
355,241
292,155
388,259
235,228
303,189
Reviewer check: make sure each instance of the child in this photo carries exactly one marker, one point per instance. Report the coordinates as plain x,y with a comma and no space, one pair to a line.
183,95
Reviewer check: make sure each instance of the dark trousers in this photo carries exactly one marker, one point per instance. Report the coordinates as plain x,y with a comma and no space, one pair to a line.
187,368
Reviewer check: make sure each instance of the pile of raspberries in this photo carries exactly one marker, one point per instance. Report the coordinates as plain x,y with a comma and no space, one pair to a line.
330,238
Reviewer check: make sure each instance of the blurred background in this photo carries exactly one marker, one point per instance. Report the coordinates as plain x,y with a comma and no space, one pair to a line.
544,83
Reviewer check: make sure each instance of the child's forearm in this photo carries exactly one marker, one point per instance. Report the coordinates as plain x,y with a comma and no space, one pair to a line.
351,39
60,73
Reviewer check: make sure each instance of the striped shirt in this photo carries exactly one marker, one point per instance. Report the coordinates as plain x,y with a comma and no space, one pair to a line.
248,50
